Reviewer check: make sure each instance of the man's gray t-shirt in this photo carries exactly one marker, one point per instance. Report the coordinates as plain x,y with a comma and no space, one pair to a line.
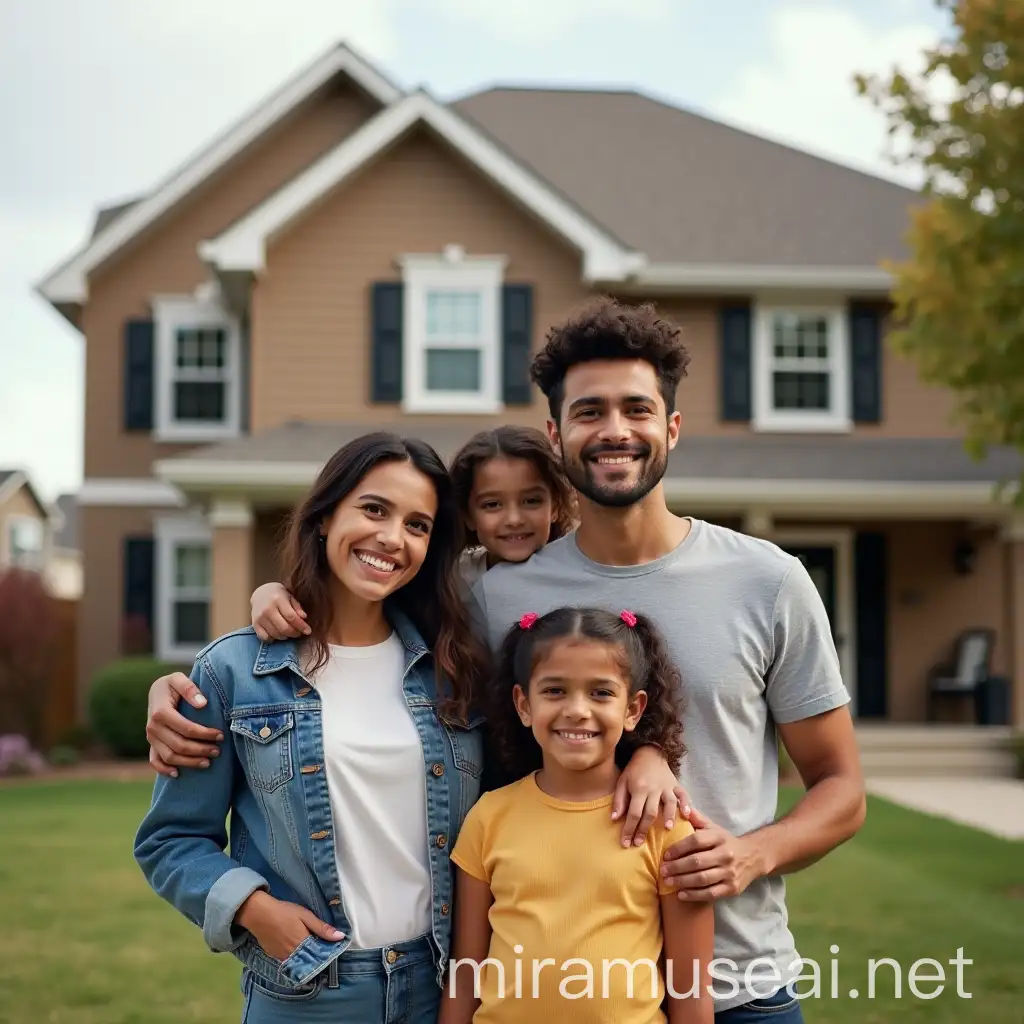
749,633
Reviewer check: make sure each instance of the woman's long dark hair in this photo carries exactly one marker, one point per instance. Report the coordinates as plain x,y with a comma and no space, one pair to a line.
514,442
431,599
645,661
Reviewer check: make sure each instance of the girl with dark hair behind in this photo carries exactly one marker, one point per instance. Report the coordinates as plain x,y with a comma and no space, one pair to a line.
353,756
512,495
543,876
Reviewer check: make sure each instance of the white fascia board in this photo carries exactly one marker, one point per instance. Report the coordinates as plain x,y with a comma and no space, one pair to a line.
68,284
742,278
928,499
243,246
196,474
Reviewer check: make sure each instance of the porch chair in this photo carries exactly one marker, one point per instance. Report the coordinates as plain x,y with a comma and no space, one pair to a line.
968,671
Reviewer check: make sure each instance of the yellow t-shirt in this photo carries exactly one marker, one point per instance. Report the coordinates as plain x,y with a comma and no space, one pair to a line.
575,913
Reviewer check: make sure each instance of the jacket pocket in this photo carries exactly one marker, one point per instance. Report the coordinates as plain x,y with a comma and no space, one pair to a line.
266,739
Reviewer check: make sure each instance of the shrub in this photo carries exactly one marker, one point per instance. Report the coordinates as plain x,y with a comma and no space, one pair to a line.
63,756
118,703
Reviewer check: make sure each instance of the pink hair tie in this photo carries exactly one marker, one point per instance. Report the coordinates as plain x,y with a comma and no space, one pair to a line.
628,618
527,620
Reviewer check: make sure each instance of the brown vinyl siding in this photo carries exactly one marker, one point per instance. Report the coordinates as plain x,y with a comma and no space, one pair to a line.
166,262
310,334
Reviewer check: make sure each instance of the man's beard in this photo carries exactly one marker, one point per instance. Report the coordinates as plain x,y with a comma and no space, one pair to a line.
580,473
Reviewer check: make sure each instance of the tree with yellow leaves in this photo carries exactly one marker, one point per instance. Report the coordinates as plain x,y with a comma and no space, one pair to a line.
959,299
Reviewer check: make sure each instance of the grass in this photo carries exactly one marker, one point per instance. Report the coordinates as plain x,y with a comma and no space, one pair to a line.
84,941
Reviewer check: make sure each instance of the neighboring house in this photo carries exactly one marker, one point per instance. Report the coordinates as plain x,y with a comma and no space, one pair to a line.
35,537
348,256
24,523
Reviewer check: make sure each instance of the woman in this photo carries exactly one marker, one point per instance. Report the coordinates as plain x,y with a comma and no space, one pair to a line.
352,758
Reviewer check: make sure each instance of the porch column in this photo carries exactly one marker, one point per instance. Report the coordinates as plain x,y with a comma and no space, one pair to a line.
758,523
232,584
1013,539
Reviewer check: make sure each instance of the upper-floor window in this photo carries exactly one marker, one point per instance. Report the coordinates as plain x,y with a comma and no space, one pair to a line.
452,331
25,540
801,369
198,378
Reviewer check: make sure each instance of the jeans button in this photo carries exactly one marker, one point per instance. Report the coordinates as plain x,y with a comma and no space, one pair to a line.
392,956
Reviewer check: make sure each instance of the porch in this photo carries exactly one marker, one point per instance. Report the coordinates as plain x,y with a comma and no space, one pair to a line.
896,750
909,548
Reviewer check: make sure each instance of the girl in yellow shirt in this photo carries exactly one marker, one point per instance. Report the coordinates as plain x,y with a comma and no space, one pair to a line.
553,914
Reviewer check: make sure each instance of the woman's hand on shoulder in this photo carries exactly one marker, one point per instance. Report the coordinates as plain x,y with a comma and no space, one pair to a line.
276,615
647,787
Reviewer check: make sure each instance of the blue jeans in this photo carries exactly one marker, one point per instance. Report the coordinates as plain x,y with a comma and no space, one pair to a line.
781,1008
362,985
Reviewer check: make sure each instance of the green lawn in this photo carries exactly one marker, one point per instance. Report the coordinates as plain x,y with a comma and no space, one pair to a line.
83,940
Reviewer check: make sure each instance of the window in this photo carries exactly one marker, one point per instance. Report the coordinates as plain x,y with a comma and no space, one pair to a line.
801,376
452,332
184,579
25,537
198,361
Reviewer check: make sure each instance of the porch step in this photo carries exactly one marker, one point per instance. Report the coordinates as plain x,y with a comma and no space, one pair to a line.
955,750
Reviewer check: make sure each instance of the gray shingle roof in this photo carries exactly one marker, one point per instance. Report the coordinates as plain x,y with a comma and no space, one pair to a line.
906,460
683,188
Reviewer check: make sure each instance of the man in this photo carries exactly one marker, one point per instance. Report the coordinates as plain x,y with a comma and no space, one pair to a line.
743,622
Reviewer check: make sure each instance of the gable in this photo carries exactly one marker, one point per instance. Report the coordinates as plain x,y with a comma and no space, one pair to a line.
67,286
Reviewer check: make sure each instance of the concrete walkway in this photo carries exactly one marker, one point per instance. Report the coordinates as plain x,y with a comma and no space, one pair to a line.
992,805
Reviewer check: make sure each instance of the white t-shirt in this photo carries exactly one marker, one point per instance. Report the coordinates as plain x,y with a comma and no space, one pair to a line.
375,777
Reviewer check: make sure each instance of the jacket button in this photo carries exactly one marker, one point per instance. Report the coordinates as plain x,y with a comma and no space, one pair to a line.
265,731
438,769
320,835
392,956
303,691
335,902
442,840
444,909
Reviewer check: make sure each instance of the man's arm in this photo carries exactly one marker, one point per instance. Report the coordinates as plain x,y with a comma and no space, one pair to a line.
178,742
810,705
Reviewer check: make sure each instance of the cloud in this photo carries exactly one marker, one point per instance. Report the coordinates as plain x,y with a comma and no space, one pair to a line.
803,93
546,19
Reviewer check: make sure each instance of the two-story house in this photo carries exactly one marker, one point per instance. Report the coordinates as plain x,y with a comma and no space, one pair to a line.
348,256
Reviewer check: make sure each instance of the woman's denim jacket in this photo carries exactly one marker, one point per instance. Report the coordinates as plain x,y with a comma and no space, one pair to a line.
270,777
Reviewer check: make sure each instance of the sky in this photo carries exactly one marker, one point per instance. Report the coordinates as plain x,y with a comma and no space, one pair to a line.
100,100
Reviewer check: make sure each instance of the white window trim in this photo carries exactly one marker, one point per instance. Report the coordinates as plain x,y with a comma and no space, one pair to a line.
169,531
451,270
199,310
838,418
9,526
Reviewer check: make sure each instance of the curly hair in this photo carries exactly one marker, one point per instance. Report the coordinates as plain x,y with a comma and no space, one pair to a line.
607,329
645,662
514,442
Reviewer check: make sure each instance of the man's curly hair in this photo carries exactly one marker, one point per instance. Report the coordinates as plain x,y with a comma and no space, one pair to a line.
645,663
607,329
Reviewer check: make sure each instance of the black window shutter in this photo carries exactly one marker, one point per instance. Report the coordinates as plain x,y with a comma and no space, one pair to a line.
516,343
386,341
734,355
138,375
866,363
139,563
872,604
